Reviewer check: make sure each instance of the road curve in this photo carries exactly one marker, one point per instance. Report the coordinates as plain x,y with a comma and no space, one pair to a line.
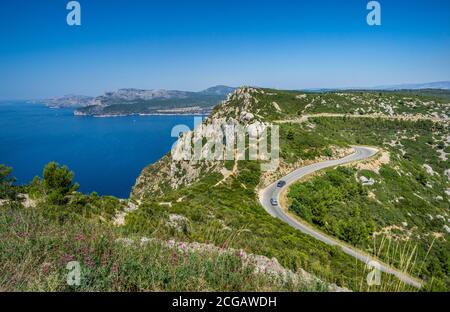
272,191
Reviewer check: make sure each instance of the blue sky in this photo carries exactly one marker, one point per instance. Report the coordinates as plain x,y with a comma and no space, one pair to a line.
191,45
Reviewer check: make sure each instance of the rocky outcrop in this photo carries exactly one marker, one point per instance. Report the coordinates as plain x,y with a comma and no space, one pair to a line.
429,169
191,157
375,164
177,222
366,181
119,219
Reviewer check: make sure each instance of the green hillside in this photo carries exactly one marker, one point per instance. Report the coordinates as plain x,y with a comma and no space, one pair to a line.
412,130
213,207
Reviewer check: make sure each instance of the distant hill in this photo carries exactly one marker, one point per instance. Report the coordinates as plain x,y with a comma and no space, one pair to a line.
71,100
416,86
218,90
160,101
440,85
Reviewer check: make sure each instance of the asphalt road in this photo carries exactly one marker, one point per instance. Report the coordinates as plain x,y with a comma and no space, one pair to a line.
272,191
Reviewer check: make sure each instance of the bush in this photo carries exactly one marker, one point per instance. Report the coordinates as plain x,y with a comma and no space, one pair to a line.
57,183
6,180
56,177
335,202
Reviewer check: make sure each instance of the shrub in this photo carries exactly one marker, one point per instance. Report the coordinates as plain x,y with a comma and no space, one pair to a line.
6,180
57,183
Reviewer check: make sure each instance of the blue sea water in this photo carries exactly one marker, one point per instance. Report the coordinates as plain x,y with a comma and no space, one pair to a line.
106,154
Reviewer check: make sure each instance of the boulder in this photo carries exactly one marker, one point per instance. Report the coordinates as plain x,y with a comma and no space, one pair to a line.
428,169
366,181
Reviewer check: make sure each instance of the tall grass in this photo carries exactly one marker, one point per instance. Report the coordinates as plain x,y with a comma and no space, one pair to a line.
35,250
400,255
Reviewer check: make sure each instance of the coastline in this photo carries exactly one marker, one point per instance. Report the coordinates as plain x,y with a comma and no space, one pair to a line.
144,114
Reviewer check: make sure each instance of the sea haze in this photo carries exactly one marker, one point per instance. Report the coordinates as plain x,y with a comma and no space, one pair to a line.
106,154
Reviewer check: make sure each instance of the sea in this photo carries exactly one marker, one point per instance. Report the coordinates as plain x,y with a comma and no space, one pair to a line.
105,154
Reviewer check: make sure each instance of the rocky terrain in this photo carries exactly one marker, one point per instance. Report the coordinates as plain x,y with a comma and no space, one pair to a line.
245,107
70,101
195,223
411,130
138,101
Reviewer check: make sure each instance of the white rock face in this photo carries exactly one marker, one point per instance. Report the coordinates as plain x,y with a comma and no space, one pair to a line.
119,219
387,108
192,155
245,116
256,129
277,107
428,169
366,181
177,222
440,217
447,228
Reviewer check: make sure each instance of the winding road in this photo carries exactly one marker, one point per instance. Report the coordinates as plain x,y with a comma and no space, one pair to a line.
272,191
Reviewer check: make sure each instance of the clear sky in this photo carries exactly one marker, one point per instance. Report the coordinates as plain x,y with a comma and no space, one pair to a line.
191,45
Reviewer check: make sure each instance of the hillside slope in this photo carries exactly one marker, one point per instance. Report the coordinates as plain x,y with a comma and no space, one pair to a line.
403,214
50,234
197,224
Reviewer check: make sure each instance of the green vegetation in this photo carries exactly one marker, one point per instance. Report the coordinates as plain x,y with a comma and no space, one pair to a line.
6,181
63,226
401,218
300,143
294,104
56,184
111,105
337,203
431,93
405,204
35,251
229,215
